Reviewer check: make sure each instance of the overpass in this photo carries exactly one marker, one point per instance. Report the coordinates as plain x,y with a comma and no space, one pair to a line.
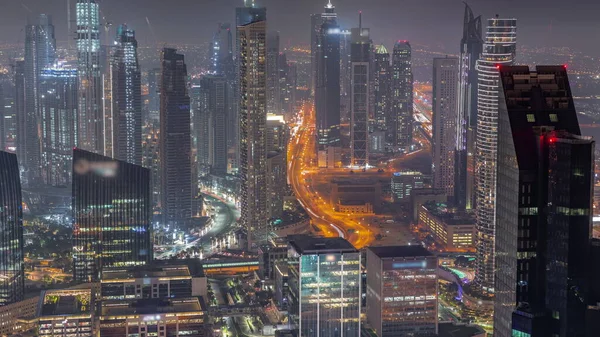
236,310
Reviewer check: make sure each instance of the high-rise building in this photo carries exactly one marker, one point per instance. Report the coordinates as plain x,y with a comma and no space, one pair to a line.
151,158
359,114
2,113
345,75
9,110
316,21
445,87
111,215
210,123
471,47
324,280
402,97
59,120
154,94
126,98
544,202
382,85
251,48
499,49
287,86
327,86
66,312
91,112
273,90
402,291
40,52
19,72
175,139
276,143
12,267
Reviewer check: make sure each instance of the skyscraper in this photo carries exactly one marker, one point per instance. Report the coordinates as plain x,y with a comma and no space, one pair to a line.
445,85
499,49
324,286
544,202
327,90
154,94
126,98
40,52
471,47
315,27
175,139
359,114
12,267
111,215
402,97
59,121
222,49
91,121
251,32
273,91
276,142
287,86
382,86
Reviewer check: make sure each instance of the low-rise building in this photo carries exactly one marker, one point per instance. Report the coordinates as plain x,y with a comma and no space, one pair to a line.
11,316
67,312
354,207
154,317
404,182
422,195
453,230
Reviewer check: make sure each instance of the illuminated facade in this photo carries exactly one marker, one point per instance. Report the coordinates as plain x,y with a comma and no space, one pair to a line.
154,317
59,121
175,139
12,268
66,313
111,214
402,97
40,53
471,47
154,94
454,231
252,31
91,121
360,57
402,291
382,86
324,282
445,85
544,202
499,49
126,98
273,89
403,183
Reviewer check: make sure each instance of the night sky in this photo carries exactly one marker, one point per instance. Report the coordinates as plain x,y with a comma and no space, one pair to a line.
433,23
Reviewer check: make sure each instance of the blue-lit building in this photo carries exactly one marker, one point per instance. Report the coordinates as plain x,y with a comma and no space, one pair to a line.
12,268
404,182
59,120
402,290
111,215
324,281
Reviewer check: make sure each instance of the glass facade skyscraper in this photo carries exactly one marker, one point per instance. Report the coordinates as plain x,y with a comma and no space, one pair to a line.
499,50
59,121
382,86
402,97
126,98
111,215
324,286
12,267
360,56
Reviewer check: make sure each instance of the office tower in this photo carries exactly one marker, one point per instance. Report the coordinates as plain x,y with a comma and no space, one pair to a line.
471,47
12,268
126,98
345,74
252,31
67,312
19,73
276,145
381,87
222,49
210,123
273,90
402,97
327,90
154,94
287,86
402,291
359,115
59,121
111,215
403,183
109,114
2,113
151,158
445,85
40,52
499,49
544,202
316,21
92,119
324,282
175,139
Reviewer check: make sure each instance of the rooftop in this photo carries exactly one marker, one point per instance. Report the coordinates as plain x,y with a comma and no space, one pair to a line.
306,244
448,215
66,302
459,330
151,306
400,251
158,268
